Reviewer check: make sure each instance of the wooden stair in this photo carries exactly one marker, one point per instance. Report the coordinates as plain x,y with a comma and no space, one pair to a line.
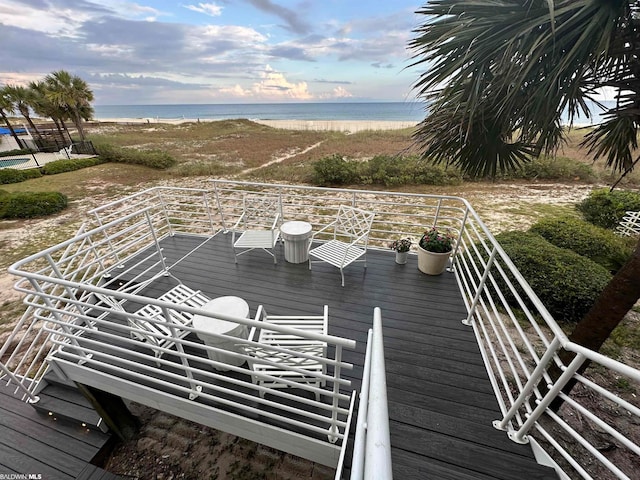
62,400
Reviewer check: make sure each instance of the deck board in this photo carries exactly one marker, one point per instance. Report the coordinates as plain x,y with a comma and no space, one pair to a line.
441,401
34,443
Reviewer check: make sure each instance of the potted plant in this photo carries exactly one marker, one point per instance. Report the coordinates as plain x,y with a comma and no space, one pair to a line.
401,247
434,249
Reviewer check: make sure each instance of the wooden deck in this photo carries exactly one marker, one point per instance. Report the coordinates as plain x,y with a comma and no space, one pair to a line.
440,401
38,444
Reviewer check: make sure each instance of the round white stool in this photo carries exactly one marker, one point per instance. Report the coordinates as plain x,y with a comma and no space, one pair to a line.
232,306
296,235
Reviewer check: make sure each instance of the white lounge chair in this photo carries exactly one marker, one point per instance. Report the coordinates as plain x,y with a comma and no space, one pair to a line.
259,225
156,334
350,232
288,360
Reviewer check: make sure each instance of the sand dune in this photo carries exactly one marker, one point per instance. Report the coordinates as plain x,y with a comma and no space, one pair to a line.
321,125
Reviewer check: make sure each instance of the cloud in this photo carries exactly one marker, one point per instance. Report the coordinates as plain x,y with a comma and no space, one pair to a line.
380,65
294,21
210,9
274,85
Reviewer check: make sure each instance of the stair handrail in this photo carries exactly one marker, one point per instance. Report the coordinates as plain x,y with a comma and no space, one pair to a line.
372,444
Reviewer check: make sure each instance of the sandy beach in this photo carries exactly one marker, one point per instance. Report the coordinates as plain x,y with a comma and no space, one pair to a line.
312,125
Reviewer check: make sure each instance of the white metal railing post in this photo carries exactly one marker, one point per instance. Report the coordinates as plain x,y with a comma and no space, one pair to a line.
357,462
520,435
156,242
378,445
163,205
195,389
333,429
206,205
463,225
480,287
533,381
220,211
107,237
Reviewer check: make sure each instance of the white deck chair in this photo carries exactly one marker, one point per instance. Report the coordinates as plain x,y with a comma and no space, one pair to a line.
350,231
64,153
289,360
629,225
260,225
146,331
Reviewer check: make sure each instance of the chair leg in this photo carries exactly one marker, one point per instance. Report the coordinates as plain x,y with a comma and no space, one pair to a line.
342,275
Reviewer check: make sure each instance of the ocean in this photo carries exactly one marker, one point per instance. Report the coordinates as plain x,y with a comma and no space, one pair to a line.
386,111
413,111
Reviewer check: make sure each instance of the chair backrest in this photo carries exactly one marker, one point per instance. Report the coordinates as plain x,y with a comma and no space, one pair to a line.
353,222
261,210
629,225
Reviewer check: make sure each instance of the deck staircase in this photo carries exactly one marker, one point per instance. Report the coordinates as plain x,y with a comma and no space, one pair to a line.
61,399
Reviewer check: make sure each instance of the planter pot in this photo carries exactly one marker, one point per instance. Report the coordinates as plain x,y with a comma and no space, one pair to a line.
401,257
432,263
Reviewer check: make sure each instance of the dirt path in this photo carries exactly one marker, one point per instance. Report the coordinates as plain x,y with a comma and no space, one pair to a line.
281,159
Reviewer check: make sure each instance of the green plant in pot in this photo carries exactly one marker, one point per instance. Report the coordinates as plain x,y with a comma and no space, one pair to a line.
401,247
434,250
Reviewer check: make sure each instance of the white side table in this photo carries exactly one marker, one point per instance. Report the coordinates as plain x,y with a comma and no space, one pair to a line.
296,235
233,306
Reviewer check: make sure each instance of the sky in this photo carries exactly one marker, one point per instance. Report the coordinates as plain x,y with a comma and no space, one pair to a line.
222,51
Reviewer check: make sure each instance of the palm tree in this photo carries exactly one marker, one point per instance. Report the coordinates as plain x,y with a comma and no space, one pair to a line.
7,107
45,108
72,94
500,73
23,100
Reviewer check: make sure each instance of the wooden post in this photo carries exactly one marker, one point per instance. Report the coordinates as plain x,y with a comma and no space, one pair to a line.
113,412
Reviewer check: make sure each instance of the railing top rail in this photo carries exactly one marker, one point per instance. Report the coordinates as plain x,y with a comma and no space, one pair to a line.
340,190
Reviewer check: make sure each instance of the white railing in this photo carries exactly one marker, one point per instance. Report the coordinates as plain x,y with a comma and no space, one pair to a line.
372,444
518,338
520,343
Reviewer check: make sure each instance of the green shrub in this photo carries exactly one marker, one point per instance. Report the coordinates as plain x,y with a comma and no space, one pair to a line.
148,158
383,170
553,168
401,170
17,151
31,204
61,166
12,175
566,283
334,170
600,245
605,209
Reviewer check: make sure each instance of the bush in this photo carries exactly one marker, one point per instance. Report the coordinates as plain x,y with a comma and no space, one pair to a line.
334,170
61,166
31,204
600,245
399,170
567,283
148,158
605,209
383,170
552,168
17,151
12,175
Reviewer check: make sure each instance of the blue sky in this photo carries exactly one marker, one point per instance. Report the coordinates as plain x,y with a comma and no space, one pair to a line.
222,51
